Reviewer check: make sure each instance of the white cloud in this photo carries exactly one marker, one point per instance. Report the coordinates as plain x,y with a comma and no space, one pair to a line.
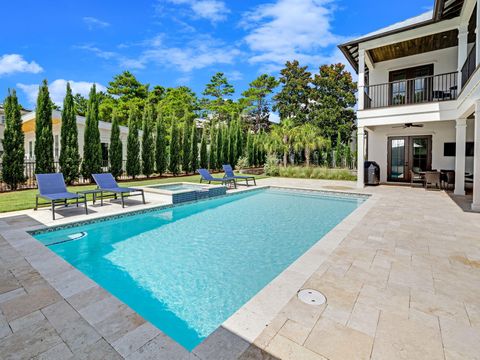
57,89
213,10
234,75
290,29
196,54
94,23
15,63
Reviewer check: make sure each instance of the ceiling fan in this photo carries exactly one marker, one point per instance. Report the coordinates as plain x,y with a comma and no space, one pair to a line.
408,125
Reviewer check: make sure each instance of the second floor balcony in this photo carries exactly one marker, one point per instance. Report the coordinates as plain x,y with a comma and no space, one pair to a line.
411,91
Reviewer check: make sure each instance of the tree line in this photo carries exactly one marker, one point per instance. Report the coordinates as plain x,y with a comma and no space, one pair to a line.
316,113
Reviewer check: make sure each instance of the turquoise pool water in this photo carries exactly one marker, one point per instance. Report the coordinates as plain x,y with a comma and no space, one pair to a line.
188,268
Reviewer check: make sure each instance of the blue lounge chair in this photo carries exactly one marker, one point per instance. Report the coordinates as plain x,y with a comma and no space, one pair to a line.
106,182
52,188
206,176
230,174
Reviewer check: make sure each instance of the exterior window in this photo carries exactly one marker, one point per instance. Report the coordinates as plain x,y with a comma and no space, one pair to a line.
30,149
2,119
56,147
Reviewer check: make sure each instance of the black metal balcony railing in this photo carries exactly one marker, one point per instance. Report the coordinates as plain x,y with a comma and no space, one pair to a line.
418,90
470,65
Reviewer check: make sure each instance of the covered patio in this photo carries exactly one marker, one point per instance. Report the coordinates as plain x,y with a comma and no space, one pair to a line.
406,150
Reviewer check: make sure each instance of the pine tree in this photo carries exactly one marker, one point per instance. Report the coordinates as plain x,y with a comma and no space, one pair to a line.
203,150
148,159
116,148
174,149
92,150
13,146
186,147
43,132
133,143
160,146
69,155
212,156
219,148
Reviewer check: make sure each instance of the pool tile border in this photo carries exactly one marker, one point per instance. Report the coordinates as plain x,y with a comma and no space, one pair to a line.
237,333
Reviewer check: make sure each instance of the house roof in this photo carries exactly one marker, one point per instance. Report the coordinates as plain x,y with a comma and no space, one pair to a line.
28,122
442,10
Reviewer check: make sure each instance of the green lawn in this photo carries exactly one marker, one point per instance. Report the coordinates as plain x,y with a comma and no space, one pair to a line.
25,199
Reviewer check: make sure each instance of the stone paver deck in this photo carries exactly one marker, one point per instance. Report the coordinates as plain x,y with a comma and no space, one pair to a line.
403,284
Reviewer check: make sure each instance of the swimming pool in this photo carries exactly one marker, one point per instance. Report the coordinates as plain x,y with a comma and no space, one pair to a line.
187,268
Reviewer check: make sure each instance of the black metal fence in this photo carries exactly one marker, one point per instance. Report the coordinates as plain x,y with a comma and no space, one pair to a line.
29,174
412,91
470,65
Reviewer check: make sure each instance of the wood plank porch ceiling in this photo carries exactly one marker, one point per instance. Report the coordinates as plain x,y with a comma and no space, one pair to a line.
419,45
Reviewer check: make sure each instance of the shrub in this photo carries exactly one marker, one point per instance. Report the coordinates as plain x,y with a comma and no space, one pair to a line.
313,173
271,167
242,163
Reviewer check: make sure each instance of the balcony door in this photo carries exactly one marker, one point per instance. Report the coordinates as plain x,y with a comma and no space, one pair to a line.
407,153
412,85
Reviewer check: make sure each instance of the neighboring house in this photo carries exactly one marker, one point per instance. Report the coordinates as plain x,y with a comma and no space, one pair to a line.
105,130
419,95
2,125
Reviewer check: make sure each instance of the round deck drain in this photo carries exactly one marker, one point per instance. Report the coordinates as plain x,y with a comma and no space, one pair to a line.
312,297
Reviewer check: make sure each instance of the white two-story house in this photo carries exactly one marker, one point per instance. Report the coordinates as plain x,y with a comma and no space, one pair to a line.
419,95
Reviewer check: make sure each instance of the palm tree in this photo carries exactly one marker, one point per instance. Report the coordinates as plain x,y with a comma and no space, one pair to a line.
307,138
281,139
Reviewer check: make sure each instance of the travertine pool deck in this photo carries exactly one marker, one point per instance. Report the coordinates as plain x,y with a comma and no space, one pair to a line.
401,277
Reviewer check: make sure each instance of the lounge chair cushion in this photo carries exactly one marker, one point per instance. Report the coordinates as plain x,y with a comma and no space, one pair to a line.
61,196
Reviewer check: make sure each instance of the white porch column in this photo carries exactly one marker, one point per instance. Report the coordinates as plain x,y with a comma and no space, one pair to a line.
361,79
477,34
476,160
461,137
360,156
462,52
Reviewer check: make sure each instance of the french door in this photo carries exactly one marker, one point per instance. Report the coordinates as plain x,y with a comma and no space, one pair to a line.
406,153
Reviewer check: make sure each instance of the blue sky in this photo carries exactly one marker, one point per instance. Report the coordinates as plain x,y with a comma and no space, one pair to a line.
177,42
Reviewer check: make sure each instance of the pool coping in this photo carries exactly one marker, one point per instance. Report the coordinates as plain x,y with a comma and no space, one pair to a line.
248,321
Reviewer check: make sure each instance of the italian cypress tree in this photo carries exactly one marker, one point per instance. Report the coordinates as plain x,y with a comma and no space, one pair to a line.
148,151
174,163
232,149
13,146
133,143
186,146
338,151
348,156
250,153
116,148
204,150
212,155
92,150
328,155
225,146
219,148
69,155
238,141
194,148
160,146
43,132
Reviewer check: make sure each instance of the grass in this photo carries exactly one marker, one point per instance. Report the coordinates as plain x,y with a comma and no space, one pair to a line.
312,172
25,199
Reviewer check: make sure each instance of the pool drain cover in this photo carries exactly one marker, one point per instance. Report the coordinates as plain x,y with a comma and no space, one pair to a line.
312,297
